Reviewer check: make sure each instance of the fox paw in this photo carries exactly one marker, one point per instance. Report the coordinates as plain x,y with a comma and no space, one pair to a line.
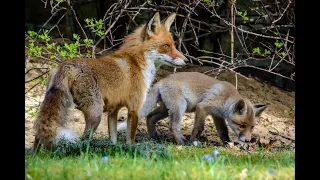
196,143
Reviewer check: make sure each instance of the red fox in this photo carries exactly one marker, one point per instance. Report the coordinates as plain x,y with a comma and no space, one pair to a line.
106,84
196,92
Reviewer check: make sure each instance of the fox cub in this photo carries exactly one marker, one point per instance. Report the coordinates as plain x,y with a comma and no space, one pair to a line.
196,92
106,84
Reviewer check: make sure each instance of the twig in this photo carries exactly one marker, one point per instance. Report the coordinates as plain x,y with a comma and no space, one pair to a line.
46,23
183,29
267,71
222,62
56,25
34,69
75,16
195,35
284,136
231,29
32,87
289,3
105,15
274,26
245,31
111,26
38,76
233,2
109,47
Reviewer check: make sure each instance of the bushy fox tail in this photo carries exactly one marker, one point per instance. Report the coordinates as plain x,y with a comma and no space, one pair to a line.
50,121
150,103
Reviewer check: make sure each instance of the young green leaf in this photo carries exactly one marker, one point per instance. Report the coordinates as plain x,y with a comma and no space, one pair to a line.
278,44
267,51
256,50
284,54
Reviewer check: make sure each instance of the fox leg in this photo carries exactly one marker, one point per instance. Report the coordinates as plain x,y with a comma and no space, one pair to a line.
132,125
88,98
152,118
175,116
92,113
198,127
112,124
222,129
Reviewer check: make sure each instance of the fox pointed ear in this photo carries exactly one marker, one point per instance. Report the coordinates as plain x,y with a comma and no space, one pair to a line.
154,24
240,107
258,109
169,20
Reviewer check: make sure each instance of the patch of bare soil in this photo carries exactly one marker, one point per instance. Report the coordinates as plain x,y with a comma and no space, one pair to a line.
275,130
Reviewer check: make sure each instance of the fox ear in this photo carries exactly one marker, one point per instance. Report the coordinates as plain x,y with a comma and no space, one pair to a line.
240,107
169,20
258,109
154,24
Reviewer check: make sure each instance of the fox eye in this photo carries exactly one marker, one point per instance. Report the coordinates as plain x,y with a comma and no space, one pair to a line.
166,46
242,126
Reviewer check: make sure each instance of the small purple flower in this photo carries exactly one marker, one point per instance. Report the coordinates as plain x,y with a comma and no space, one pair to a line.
30,149
271,171
105,159
215,152
207,157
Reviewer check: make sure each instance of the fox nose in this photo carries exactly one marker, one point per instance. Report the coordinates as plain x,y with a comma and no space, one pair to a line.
244,139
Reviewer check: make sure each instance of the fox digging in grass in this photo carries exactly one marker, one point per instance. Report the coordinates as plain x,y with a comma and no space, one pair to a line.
106,84
196,92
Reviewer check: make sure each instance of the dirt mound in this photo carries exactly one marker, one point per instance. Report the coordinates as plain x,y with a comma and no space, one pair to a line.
276,126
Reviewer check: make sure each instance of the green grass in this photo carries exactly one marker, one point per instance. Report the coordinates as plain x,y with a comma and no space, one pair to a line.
185,163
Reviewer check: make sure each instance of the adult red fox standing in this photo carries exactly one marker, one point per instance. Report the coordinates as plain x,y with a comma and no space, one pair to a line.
196,92
106,84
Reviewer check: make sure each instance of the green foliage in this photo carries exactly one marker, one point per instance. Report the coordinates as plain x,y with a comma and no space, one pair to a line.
32,34
32,111
34,50
68,51
213,2
278,44
45,36
290,111
284,54
256,51
88,43
95,25
243,15
266,51
43,80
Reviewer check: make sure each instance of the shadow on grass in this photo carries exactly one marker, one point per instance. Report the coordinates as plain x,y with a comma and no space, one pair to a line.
104,146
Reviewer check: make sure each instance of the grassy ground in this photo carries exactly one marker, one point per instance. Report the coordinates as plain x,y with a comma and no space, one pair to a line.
183,163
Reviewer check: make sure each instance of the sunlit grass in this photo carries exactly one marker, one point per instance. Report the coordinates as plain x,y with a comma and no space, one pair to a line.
183,163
